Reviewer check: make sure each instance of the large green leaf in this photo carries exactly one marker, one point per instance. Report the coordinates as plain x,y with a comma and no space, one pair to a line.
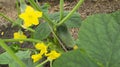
42,31
23,55
65,36
13,64
99,36
74,21
74,58
4,58
116,16
29,62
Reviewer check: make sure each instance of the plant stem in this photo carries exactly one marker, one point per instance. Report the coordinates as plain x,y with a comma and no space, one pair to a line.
27,49
39,65
61,9
30,29
70,14
32,2
47,19
17,6
62,45
22,5
5,17
10,20
37,3
50,63
15,40
11,53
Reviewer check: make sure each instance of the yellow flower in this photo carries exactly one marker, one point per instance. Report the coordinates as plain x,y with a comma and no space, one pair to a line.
30,16
42,47
75,47
53,55
2,33
19,35
36,57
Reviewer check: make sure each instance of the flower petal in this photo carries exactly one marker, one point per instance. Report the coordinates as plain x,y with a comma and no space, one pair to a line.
53,55
38,14
29,9
36,57
42,47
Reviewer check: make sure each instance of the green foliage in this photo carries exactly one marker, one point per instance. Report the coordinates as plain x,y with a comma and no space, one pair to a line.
18,21
65,36
15,47
98,40
22,5
23,55
4,58
99,36
73,21
74,58
42,31
45,8
116,16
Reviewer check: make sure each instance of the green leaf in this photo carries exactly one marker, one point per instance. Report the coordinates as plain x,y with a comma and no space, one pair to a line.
23,55
99,36
65,36
45,8
42,31
5,58
74,21
18,21
74,58
15,47
116,16
29,62
13,64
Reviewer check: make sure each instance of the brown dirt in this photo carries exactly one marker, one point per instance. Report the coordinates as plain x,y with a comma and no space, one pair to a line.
8,8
